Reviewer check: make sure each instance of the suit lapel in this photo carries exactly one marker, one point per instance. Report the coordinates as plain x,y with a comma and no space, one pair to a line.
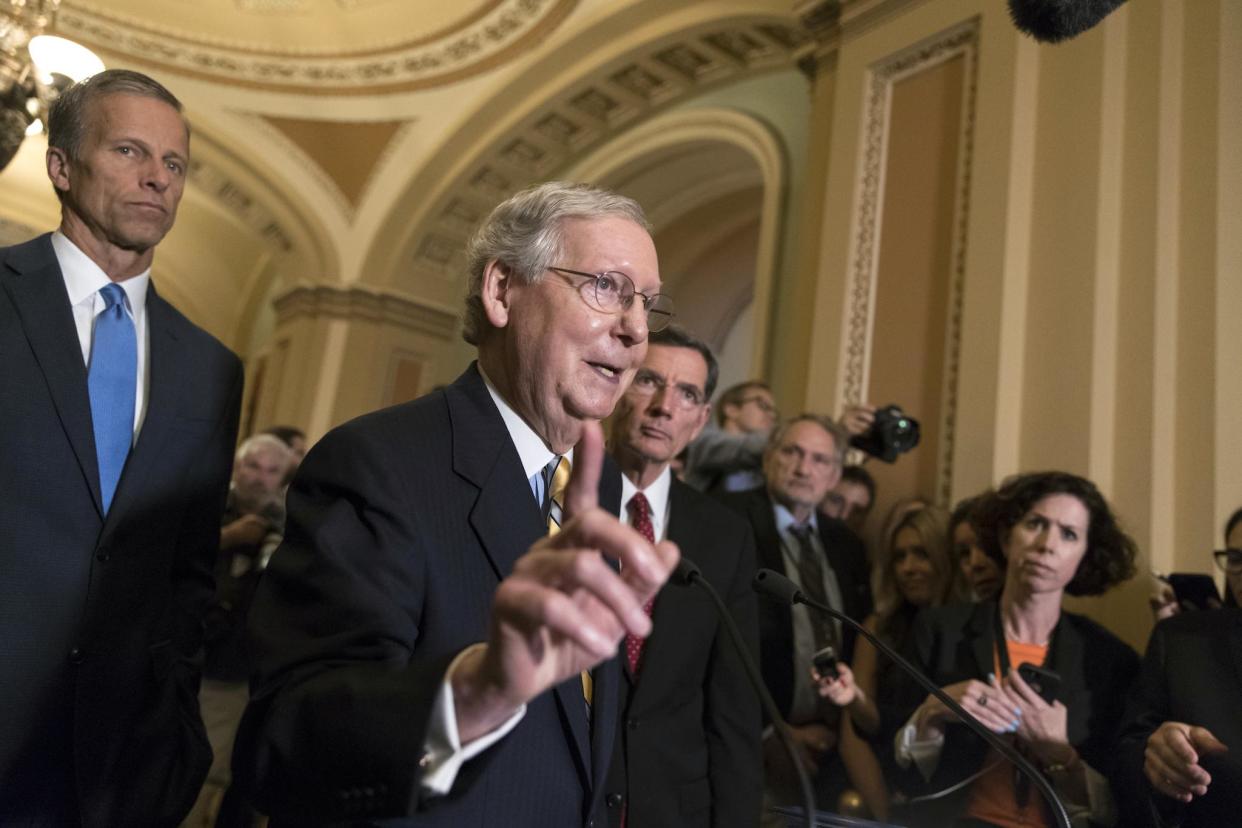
1235,642
505,517
981,637
507,521
767,537
37,289
660,652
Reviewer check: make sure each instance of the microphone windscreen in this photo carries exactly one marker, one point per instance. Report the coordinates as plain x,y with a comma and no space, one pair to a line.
686,571
771,583
1052,21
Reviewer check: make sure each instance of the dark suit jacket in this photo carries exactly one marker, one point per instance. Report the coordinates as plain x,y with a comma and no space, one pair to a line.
101,620
400,526
688,751
955,643
1192,673
848,558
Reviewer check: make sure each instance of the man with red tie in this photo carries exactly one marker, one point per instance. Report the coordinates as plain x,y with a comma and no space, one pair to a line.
688,752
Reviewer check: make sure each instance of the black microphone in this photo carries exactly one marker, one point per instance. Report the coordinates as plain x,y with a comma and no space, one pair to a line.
687,573
1052,21
776,586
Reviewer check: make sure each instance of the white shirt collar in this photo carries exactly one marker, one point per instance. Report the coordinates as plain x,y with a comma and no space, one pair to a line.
785,519
656,494
531,449
84,278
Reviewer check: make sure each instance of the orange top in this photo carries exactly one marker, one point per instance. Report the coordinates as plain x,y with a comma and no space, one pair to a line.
992,797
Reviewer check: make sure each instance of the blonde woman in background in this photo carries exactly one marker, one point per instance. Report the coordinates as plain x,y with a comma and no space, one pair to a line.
915,570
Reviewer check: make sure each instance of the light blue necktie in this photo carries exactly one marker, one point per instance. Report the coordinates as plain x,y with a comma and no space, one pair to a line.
112,378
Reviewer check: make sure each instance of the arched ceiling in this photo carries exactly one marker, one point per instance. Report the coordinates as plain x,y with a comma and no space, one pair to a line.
316,47
338,141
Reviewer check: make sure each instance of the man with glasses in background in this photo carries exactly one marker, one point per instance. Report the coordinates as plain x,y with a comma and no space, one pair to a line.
729,456
433,642
688,753
1179,750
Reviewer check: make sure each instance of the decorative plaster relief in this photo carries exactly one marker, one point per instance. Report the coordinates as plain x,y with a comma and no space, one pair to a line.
588,113
236,199
960,41
493,38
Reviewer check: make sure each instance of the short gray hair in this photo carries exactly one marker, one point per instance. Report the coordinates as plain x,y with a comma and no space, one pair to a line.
66,122
524,232
263,442
840,437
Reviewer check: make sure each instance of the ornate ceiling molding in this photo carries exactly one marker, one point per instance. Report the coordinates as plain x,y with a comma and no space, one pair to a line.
364,303
238,200
582,117
960,41
507,28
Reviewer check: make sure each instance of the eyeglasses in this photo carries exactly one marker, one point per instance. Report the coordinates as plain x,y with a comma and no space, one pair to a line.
648,383
761,403
614,292
1229,560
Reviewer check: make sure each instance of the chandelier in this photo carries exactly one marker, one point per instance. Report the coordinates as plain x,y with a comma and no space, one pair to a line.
34,69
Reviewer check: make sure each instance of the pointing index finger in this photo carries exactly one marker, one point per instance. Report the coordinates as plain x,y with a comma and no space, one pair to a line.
582,492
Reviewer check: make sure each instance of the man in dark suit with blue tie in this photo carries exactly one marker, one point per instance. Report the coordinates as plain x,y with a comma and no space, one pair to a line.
117,425
688,753
425,651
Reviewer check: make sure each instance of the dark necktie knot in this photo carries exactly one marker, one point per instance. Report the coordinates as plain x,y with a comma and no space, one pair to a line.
640,507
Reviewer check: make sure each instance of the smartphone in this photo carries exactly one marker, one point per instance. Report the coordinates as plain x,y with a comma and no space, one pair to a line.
825,662
1041,680
1194,591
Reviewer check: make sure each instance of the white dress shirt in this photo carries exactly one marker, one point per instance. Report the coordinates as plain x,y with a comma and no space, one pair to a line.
657,496
83,281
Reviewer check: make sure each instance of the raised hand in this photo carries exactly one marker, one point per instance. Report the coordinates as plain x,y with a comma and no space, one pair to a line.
841,690
1171,761
983,701
1041,725
564,609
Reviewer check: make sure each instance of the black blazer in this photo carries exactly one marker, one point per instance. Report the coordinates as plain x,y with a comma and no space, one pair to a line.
1192,673
401,524
101,620
848,558
689,747
955,643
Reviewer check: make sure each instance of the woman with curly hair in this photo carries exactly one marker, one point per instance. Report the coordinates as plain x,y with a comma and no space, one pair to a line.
1058,536
915,570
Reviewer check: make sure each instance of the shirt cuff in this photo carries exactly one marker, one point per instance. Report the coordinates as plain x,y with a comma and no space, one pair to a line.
925,753
443,752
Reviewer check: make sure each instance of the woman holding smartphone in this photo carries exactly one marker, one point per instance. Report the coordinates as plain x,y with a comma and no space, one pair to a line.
915,570
1057,535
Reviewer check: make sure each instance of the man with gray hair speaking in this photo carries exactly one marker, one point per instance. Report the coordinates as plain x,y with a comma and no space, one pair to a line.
434,639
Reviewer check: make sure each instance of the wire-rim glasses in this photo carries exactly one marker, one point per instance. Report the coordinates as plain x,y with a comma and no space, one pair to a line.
613,292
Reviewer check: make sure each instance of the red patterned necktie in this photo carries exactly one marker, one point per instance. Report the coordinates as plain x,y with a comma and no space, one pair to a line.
640,519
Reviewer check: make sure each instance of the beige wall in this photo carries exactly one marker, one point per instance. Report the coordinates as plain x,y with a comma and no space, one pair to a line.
1096,258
